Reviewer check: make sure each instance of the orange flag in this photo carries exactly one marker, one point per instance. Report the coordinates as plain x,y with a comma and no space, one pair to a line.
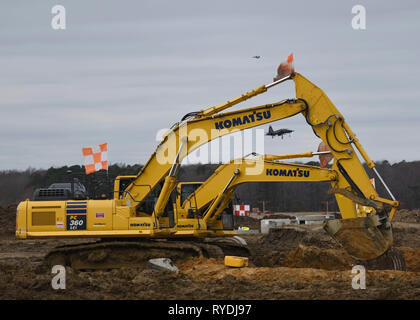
285,68
324,158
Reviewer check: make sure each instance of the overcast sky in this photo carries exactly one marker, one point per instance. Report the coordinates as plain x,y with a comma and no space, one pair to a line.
123,70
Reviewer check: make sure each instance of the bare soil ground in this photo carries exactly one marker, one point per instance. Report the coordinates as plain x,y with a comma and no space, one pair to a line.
289,263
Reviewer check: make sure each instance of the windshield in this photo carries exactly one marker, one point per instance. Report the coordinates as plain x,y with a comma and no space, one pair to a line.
187,189
60,186
77,186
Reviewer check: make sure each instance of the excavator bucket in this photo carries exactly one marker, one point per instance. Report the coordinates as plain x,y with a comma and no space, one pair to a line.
364,238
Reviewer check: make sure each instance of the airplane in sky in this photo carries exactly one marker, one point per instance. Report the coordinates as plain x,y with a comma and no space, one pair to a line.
279,132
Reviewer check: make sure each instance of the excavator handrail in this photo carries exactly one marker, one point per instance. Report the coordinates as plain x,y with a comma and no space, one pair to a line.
128,192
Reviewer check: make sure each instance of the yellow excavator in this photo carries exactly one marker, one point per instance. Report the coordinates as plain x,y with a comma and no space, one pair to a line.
201,210
196,207
364,231
197,211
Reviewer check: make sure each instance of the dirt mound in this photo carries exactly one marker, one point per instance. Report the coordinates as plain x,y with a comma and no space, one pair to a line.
412,258
339,259
241,221
206,279
292,236
311,247
271,249
314,257
8,220
21,276
406,236
299,283
404,215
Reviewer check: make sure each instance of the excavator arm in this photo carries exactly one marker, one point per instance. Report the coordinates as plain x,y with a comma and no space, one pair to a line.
199,212
273,172
329,125
365,230
227,177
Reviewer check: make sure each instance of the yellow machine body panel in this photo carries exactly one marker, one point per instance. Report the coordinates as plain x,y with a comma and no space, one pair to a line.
65,218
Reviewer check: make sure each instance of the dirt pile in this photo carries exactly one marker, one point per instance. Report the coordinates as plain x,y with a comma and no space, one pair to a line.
271,249
300,283
206,279
255,223
311,247
8,220
314,257
412,258
242,221
404,215
408,236
291,236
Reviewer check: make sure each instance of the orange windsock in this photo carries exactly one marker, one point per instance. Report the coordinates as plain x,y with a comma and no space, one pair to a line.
324,159
290,58
285,68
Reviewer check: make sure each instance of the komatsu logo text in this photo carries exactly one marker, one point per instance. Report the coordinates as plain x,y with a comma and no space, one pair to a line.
288,173
253,117
140,224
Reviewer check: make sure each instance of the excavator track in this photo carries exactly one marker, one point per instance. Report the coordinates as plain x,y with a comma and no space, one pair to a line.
112,254
393,259
230,246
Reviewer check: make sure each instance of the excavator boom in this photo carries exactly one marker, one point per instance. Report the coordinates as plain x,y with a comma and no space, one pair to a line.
199,132
239,171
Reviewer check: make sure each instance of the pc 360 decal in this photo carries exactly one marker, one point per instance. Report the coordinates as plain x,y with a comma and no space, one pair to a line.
76,222
76,215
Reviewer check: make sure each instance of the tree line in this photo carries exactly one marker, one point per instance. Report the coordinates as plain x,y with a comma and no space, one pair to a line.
402,178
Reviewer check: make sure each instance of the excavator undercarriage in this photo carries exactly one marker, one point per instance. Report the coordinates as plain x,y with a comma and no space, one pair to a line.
132,252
